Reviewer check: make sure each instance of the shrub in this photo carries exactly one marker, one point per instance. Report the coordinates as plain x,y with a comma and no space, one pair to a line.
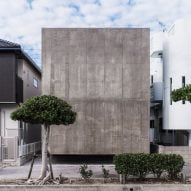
157,164
123,164
132,164
173,165
141,164
85,173
105,172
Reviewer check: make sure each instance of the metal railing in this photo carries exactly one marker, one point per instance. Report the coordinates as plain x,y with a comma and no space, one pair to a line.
9,148
10,151
29,148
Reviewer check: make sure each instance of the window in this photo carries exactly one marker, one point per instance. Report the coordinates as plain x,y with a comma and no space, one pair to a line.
183,85
151,80
35,82
161,130
170,91
151,131
152,124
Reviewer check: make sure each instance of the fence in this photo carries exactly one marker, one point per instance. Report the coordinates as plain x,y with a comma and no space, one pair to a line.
29,148
10,151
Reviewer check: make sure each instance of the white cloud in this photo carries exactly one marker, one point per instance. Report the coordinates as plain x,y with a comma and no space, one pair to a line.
19,23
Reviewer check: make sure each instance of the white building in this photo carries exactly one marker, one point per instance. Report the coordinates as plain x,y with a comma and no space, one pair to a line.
171,69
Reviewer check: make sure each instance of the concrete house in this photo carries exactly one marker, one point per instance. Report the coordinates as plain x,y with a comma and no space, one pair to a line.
20,78
104,74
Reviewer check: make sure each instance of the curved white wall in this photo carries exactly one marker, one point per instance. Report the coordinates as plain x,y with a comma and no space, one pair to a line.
156,66
177,63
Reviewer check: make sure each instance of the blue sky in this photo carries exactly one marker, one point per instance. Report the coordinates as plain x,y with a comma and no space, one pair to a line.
21,20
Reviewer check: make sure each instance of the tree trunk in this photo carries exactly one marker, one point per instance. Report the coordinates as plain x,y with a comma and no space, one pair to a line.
45,139
50,165
31,167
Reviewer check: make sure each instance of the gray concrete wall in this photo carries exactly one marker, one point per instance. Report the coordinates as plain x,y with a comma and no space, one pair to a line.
104,74
184,151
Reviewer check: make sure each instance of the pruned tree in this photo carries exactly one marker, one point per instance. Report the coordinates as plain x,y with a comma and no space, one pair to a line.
45,110
183,94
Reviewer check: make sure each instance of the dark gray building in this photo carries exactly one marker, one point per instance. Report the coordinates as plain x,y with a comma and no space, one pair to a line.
104,74
20,78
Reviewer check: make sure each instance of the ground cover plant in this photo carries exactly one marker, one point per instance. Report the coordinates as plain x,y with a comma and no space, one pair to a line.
85,173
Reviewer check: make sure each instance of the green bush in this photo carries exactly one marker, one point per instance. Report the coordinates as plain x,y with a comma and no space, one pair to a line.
157,164
132,164
123,164
140,164
105,172
85,173
173,165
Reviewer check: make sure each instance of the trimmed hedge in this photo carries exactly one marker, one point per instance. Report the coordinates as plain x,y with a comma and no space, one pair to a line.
141,164
157,164
173,165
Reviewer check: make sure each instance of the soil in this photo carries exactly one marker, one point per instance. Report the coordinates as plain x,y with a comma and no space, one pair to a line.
79,181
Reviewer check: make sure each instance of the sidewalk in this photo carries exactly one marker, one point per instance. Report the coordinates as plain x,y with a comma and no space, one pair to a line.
67,170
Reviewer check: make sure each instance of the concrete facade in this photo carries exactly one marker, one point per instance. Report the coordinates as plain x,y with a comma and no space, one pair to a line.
184,151
104,74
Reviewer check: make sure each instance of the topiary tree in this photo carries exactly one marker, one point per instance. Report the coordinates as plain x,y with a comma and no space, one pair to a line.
45,110
183,93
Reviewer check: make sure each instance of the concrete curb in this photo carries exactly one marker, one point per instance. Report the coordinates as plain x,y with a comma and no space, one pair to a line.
98,187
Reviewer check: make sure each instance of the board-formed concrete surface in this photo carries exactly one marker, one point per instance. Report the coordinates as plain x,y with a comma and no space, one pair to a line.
104,74
184,151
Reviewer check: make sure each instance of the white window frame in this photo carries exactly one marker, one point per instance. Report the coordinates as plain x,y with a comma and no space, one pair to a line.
35,82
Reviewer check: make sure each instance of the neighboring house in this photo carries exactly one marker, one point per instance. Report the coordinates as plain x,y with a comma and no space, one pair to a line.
20,78
171,69
104,74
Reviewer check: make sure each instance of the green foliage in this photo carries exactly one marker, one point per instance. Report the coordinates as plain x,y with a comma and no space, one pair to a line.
182,94
173,165
122,163
105,172
142,164
132,164
85,173
157,164
45,109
